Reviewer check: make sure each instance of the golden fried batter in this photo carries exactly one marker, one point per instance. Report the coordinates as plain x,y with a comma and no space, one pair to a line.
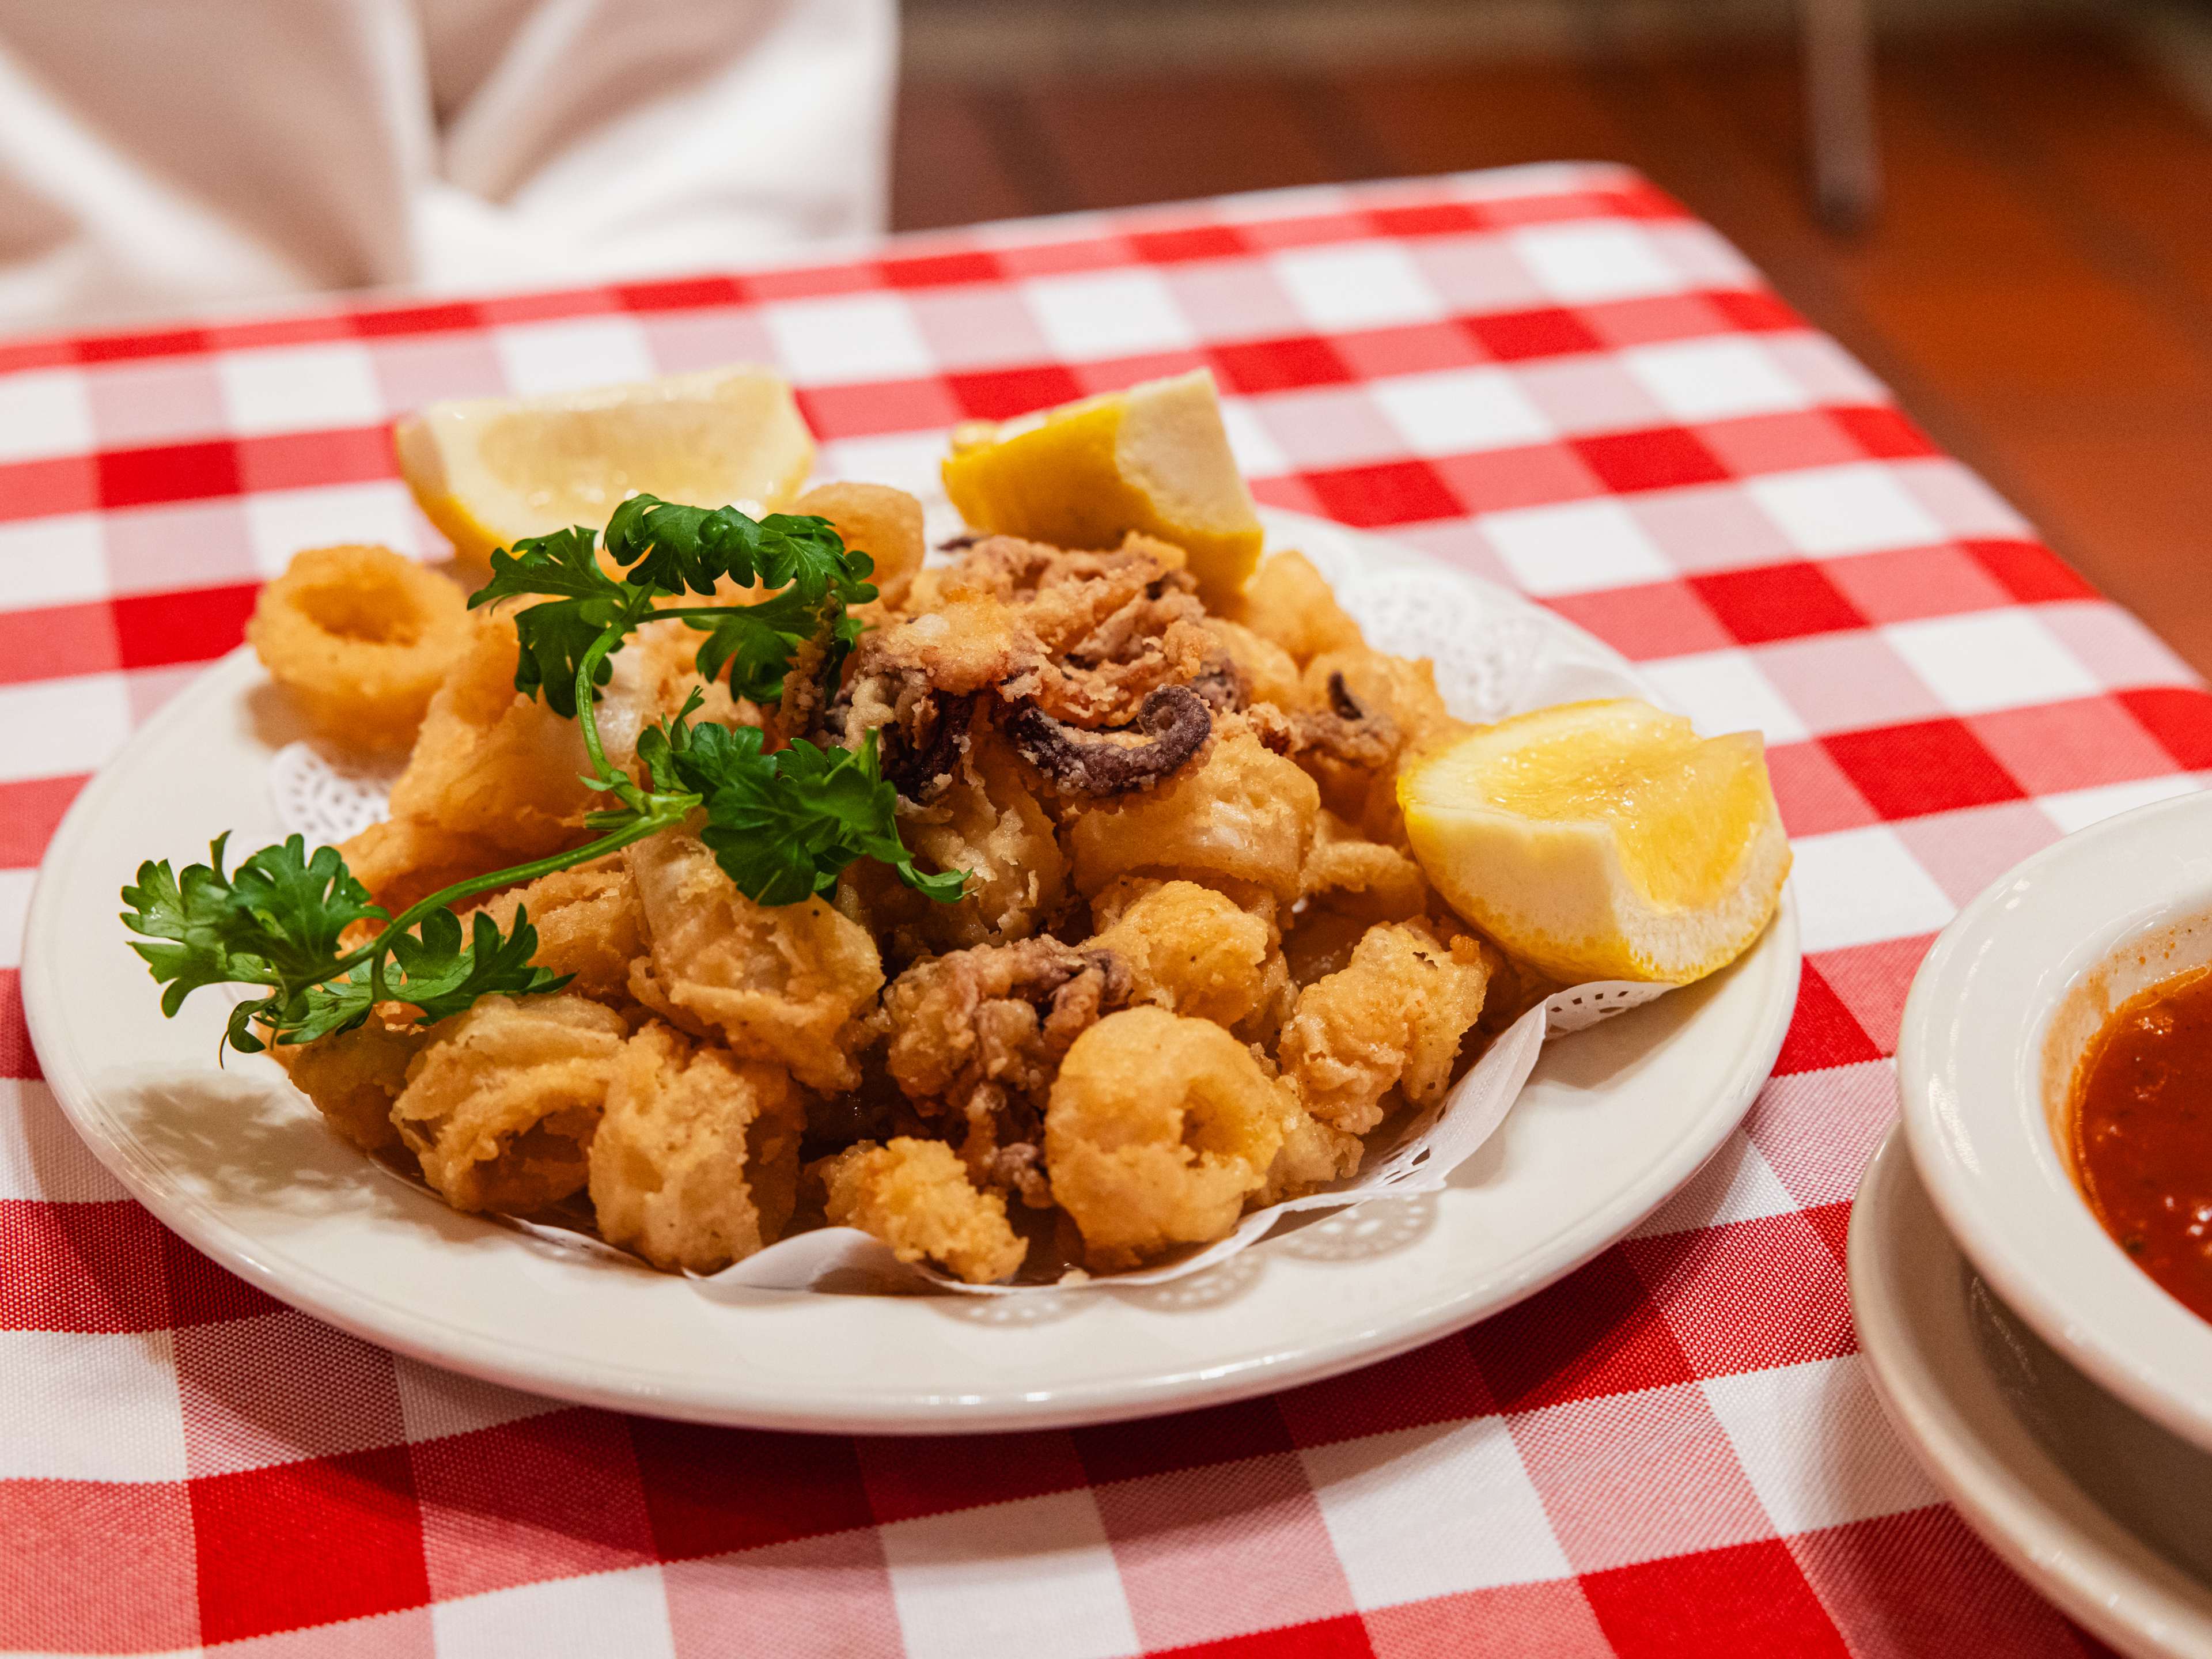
1241,812
988,822
696,1162
875,520
788,983
1158,1129
1348,874
403,860
501,1104
589,925
353,1077
915,1197
1290,603
1270,673
1393,1018
360,637
1194,951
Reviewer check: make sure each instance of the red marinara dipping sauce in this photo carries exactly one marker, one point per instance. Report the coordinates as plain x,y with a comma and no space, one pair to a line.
2143,1133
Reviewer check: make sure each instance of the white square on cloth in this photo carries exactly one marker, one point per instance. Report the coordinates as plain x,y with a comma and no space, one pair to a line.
90,1405
969,1585
572,354
299,388
590,1617
1858,508
1857,886
1117,314
1462,409
1992,660
43,412
279,522
1575,548
1365,285
854,336
1578,264
1815,1444
1430,1511
1714,380
58,561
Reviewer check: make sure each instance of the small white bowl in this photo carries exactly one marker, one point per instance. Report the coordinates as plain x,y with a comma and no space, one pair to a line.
1998,1017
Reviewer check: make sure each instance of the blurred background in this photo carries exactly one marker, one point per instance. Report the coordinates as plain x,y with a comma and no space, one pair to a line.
2032,274
2004,207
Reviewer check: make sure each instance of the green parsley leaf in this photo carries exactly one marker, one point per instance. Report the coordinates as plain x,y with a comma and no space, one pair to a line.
579,603
671,547
433,972
757,643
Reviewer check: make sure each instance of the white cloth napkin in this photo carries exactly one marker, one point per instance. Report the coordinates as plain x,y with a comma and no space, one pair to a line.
167,155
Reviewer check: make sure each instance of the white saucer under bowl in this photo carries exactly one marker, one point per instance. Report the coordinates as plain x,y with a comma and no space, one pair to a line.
2098,1507
1998,1016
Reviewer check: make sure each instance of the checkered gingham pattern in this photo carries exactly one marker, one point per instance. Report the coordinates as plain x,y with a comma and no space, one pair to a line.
1551,376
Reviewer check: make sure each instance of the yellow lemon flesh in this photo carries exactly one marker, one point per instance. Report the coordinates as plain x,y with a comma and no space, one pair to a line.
492,470
1154,458
1603,840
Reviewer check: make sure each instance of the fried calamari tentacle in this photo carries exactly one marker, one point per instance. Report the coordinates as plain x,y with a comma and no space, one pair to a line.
1160,1128
695,1162
980,1034
1393,1018
1174,722
915,1196
501,1102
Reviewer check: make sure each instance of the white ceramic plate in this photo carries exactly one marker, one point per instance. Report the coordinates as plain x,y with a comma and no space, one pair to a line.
1613,1121
1998,1013
2098,1508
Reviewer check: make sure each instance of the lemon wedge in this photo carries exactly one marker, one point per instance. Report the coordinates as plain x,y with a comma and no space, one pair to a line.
1603,840
1153,458
489,472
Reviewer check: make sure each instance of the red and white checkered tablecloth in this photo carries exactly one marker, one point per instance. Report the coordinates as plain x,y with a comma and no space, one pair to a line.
1552,377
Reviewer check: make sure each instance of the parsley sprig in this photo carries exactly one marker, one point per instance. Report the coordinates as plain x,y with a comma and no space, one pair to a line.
782,825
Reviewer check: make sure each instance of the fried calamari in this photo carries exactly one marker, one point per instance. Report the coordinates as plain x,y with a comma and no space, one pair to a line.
915,1196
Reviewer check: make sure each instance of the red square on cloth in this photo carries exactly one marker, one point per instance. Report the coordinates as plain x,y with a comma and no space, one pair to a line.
709,1490
1393,492
81,1267
1776,602
1000,394
1252,367
1823,1032
1341,1637
1662,458
1748,1598
307,1543
1551,332
1596,1332
1931,767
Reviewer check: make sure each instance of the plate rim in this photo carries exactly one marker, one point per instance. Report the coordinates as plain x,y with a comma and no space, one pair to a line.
614,1385
1921,1400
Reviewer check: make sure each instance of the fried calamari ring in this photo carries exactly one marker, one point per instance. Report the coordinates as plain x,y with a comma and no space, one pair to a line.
360,637
915,1196
502,1104
1159,1127
875,520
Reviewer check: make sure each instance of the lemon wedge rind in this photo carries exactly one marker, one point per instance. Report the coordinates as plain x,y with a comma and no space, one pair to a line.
1154,459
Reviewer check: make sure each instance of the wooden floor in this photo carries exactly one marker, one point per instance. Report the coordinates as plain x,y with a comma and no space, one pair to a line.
2038,291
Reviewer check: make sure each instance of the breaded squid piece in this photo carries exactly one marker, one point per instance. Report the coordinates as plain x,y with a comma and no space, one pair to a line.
1270,673
1158,1130
915,1197
353,1077
1239,812
360,637
1397,701
983,1032
401,860
501,1102
1192,950
788,983
491,765
589,925
988,822
1290,603
1392,1018
875,520
1349,874
696,1162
